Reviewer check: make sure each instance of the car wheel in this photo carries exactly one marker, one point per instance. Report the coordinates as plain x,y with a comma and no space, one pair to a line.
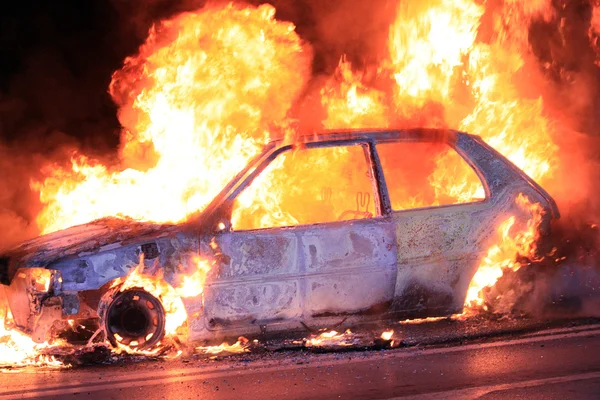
134,318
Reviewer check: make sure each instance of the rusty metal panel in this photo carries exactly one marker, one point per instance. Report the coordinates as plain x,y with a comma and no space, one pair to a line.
438,252
440,248
252,253
93,270
434,232
257,278
253,302
350,266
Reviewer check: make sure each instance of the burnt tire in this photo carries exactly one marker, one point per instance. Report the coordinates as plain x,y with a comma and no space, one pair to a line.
133,318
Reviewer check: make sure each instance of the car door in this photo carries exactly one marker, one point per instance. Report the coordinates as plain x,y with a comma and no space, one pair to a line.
438,212
308,239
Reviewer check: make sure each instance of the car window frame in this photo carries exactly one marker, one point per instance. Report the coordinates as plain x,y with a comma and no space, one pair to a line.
451,145
381,204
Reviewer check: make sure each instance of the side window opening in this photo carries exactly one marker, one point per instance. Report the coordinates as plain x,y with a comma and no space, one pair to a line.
426,174
308,186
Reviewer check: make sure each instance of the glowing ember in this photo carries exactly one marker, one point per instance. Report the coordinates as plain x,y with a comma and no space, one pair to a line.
416,321
387,335
331,338
241,346
41,278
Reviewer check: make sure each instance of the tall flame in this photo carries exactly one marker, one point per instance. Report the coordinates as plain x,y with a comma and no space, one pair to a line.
350,103
196,103
429,42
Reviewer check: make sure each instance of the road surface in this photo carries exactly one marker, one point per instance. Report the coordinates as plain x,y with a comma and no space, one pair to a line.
561,363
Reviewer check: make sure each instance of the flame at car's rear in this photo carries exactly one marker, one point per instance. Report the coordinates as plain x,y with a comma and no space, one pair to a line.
512,241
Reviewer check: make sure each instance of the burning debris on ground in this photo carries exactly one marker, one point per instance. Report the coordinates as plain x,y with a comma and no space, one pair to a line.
189,231
456,330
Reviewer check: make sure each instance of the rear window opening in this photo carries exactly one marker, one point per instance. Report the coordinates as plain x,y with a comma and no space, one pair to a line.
422,174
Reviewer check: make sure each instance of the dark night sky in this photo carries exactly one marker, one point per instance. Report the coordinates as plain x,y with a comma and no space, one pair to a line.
57,61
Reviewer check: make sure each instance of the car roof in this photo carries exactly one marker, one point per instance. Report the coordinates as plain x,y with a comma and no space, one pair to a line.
332,137
376,135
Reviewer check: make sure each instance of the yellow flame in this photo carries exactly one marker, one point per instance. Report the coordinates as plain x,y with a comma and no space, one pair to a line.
18,349
330,338
241,346
197,103
192,285
502,256
387,335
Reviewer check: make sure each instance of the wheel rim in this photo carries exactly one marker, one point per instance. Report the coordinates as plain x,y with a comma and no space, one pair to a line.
135,318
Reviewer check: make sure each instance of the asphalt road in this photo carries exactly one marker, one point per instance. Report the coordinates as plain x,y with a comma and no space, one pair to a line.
552,364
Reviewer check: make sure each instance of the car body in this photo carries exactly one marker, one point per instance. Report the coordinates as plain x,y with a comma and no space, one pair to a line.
408,263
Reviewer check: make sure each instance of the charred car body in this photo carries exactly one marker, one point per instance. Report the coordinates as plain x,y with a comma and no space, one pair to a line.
363,264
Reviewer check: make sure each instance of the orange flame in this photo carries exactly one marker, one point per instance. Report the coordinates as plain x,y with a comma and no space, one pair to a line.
349,103
18,349
170,296
330,338
241,346
417,321
513,242
437,56
428,43
155,285
197,102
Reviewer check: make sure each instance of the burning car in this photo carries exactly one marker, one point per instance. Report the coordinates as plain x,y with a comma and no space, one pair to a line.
338,246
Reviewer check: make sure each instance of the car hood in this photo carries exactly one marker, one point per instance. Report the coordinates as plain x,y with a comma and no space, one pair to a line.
89,237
